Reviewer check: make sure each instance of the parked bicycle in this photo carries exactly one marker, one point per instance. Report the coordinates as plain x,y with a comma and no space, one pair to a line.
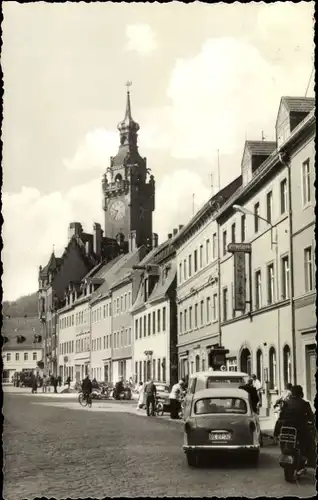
85,399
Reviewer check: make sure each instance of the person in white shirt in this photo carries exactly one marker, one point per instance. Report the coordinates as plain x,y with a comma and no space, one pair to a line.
141,391
175,396
258,386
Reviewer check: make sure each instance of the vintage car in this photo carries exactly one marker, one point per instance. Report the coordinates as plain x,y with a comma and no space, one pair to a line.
221,420
211,379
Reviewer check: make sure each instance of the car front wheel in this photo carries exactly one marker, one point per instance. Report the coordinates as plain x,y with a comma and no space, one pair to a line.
192,459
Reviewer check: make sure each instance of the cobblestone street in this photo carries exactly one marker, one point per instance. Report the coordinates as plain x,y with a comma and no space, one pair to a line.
54,451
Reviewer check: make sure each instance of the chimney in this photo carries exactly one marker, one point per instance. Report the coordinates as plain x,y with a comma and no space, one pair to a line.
175,231
97,239
154,240
74,229
180,227
169,236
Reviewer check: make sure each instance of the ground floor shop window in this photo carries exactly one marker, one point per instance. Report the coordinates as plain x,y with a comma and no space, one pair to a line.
197,363
259,365
287,365
246,361
203,365
164,369
272,368
311,372
231,364
154,369
106,373
159,369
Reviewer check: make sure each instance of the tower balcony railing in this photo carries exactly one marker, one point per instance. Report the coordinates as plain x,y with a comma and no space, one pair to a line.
116,186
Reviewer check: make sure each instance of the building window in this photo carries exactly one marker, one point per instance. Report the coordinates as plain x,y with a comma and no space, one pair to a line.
270,284
8,356
215,307
140,328
190,318
201,256
129,299
26,356
203,364
283,196
306,182
154,322
225,303
195,261
164,319
118,305
180,322
308,268
136,329
153,369
207,251
285,277
272,368
258,289
224,243
287,365
158,320
184,269
35,356
17,356
202,313
233,233
164,370
149,324
269,206
129,336
185,321
159,369
214,249
180,272
197,363
256,217
145,325
231,364
208,306
190,265
196,306
259,365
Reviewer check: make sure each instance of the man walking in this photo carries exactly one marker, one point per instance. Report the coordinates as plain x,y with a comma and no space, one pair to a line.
253,394
258,386
150,391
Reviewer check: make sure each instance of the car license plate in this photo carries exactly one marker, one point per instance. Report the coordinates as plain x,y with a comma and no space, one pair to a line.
286,459
220,436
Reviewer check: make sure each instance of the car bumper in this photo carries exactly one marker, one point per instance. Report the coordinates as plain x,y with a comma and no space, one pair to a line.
211,447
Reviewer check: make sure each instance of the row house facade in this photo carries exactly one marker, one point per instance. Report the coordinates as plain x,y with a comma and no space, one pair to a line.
197,262
154,317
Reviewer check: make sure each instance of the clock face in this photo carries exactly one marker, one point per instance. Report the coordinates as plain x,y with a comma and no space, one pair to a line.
117,210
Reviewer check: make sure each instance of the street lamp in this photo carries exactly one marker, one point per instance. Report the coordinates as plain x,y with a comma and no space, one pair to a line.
246,211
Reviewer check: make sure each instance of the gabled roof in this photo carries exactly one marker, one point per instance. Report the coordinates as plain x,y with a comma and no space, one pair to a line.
261,148
299,104
26,327
126,269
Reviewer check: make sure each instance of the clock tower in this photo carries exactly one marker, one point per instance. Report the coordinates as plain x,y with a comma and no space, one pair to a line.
128,188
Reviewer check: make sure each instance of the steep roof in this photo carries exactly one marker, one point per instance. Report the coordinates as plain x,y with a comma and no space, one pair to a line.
299,104
26,327
261,148
125,270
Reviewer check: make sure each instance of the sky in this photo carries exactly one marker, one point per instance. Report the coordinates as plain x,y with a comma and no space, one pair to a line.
205,77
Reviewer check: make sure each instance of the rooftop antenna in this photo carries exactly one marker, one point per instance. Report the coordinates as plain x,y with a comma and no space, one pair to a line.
193,196
211,175
263,136
219,174
312,72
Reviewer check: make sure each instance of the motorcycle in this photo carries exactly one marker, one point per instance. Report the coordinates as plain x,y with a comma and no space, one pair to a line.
291,459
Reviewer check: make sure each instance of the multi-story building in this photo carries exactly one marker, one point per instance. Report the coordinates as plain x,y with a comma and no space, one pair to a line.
297,143
81,254
258,328
154,317
22,346
197,251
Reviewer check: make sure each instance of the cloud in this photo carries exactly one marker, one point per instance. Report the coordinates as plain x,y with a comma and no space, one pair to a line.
141,39
226,92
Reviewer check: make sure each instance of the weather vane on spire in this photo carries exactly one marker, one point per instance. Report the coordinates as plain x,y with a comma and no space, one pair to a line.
128,85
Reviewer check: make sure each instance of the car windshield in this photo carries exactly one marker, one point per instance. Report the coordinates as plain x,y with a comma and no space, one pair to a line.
214,381
209,406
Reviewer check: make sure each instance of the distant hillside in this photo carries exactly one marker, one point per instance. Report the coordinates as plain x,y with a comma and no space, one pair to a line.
27,305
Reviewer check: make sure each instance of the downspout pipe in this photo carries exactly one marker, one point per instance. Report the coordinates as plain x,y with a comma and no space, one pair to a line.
286,162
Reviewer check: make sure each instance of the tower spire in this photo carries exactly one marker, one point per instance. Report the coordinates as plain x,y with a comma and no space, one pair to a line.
128,105
128,128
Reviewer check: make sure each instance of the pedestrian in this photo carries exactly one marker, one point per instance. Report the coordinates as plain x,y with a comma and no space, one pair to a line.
141,393
59,380
34,385
55,382
150,391
175,396
87,388
258,386
68,381
248,387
